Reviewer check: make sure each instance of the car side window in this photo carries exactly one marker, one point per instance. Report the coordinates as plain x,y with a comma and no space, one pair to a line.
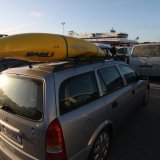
110,79
77,91
129,74
3,66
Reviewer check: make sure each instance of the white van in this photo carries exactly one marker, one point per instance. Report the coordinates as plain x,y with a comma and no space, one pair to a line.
145,58
123,53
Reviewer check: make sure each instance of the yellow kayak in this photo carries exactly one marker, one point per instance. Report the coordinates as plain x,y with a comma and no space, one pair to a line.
45,47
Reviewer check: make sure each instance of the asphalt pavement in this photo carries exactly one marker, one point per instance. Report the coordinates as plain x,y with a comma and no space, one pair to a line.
139,138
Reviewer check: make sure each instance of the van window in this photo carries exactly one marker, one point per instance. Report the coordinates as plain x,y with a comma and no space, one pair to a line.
129,74
110,79
122,51
21,96
77,91
147,50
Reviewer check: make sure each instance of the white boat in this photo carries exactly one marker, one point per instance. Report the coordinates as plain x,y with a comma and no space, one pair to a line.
112,37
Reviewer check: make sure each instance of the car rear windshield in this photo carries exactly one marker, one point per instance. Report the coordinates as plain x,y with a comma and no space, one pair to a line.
21,96
147,50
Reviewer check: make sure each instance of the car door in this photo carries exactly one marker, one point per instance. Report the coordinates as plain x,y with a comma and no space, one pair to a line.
81,111
136,85
115,95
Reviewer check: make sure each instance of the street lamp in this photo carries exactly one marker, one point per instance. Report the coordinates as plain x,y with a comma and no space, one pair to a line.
63,23
137,38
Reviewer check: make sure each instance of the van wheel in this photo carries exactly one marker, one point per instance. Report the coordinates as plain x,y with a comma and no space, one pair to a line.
146,97
101,146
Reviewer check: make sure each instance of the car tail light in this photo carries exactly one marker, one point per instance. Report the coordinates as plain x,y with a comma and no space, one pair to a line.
55,147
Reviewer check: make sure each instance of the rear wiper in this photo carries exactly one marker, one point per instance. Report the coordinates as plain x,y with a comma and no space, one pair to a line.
7,108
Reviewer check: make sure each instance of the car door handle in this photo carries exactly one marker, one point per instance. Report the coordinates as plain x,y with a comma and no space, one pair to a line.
133,92
114,104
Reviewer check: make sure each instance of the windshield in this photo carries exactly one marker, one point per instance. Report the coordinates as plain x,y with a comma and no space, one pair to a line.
21,96
147,51
122,51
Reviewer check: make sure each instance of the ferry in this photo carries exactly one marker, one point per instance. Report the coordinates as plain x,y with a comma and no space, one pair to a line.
112,37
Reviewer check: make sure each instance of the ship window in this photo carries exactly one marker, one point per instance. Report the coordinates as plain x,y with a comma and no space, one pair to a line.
122,35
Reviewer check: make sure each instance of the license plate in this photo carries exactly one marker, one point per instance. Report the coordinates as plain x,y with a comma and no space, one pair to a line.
17,137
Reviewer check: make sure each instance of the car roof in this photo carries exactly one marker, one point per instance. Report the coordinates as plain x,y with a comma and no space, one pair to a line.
53,67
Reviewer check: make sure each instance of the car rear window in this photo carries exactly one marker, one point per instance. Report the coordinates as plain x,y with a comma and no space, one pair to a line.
21,96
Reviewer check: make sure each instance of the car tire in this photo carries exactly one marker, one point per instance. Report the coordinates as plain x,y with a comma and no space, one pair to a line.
146,97
101,147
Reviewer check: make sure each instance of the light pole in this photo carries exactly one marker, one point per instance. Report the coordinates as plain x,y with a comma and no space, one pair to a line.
63,23
137,38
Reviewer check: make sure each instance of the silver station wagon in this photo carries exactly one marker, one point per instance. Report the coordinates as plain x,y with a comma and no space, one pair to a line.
60,111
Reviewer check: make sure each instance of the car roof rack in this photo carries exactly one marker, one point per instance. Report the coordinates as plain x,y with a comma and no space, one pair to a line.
71,63
71,50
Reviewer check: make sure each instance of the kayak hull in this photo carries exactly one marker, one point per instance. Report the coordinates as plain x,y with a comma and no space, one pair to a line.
44,47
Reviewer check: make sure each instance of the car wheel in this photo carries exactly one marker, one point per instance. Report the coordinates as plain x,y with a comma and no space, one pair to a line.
101,146
146,97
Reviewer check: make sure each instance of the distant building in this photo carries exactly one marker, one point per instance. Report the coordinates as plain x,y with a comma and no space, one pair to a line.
112,37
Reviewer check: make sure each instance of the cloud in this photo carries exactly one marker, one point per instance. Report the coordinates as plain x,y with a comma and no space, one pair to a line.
18,28
36,14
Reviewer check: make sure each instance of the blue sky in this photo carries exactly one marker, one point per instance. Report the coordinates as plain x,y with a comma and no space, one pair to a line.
135,17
